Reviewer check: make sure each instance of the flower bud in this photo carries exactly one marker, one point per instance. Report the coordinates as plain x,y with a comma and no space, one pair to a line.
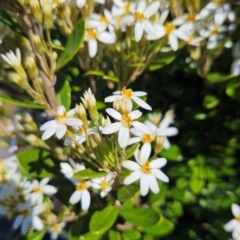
30,66
38,44
16,78
36,10
81,112
47,13
159,143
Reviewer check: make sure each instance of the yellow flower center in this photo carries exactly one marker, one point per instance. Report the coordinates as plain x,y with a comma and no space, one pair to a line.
57,2
169,27
56,228
92,33
127,93
25,212
191,17
61,118
82,186
139,16
4,178
103,20
37,190
219,1
127,7
104,184
81,130
214,31
147,138
237,218
146,168
118,19
126,120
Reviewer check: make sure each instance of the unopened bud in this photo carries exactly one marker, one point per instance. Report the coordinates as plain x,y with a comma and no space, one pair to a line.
155,118
16,78
106,121
159,143
47,13
81,112
36,10
30,65
38,43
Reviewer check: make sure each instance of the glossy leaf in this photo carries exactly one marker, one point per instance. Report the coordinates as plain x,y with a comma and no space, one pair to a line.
210,101
89,173
131,150
64,95
140,217
74,42
114,235
38,163
132,234
174,153
126,192
21,103
104,219
102,75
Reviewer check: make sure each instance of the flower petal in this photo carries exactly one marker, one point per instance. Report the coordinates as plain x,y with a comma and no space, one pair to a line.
144,185
235,210
153,183
141,103
75,197
85,200
112,128
160,175
113,113
74,122
158,163
132,178
131,165
49,132
61,130
92,47
123,136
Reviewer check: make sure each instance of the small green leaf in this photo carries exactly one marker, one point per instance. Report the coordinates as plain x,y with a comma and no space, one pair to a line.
174,153
140,217
114,235
33,235
210,101
131,150
162,228
21,103
197,180
64,95
126,192
100,105
89,173
104,219
102,75
132,234
91,236
38,163
217,77
73,44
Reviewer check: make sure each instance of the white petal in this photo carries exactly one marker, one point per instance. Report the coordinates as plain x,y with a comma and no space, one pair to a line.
133,140
49,132
131,165
235,210
74,122
111,98
112,128
132,178
18,221
148,27
141,127
107,38
144,185
85,200
139,94
135,114
80,3
113,113
229,227
166,144
219,18
61,130
173,41
49,190
151,9
25,225
75,197
145,153
141,6
123,136
171,131
61,110
48,124
153,183
152,126
160,175
158,163
138,31
37,223
141,103
92,47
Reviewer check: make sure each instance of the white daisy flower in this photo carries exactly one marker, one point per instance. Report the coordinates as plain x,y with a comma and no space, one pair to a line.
93,35
68,169
126,120
145,171
28,215
129,95
37,190
81,194
234,224
140,18
12,59
123,7
163,129
56,229
104,183
59,125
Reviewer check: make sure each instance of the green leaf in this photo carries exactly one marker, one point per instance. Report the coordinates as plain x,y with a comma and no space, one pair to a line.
174,153
102,75
34,235
100,105
104,219
64,95
217,77
38,163
21,103
131,150
91,236
162,228
132,234
126,192
89,173
114,235
210,101
74,42
140,217
197,180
